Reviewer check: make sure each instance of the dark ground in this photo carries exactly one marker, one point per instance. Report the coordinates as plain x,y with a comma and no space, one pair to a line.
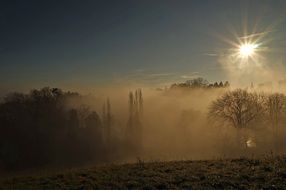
265,173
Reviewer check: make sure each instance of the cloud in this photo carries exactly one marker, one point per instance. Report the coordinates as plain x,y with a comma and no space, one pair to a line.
139,70
191,75
161,74
211,54
146,78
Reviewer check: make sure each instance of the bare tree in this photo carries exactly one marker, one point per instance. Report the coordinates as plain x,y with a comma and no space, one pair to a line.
275,109
237,108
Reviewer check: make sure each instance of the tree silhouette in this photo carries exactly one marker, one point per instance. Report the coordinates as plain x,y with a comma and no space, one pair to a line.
237,108
216,85
134,125
276,109
226,84
41,128
197,82
107,121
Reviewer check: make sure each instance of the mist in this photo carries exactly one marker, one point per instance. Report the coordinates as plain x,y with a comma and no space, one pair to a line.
176,124
50,127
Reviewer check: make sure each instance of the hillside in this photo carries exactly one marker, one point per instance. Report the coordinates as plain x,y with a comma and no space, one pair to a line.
266,173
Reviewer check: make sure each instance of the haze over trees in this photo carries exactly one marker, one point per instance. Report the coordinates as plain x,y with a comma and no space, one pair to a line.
41,129
254,111
276,110
50,127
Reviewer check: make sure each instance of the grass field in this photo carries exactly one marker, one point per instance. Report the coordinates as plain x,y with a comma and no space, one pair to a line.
266,173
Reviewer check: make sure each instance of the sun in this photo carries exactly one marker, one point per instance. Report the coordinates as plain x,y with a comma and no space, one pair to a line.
247,50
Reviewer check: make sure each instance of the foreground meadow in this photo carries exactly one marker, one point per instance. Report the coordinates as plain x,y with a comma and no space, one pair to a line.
242,173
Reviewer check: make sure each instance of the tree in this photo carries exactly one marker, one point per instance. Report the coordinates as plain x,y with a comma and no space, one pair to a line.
197,82
275,108
237,108
226,84
216,85
73,122
140,101
93,120
42,128
134,126
107,121
251,86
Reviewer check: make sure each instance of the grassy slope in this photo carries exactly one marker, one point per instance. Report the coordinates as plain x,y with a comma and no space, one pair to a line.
267,173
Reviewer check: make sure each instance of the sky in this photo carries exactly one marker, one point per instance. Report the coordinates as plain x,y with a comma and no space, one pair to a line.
151,42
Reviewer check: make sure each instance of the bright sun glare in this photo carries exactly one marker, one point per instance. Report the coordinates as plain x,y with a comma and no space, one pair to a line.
246,50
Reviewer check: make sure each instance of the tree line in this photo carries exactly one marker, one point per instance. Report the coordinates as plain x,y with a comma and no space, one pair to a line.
199,83
41,129
243,109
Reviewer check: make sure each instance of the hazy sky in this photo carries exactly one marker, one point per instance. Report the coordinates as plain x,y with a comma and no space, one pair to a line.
88,43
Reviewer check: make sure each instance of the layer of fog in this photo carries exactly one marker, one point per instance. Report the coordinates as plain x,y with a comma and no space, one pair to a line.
176,126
